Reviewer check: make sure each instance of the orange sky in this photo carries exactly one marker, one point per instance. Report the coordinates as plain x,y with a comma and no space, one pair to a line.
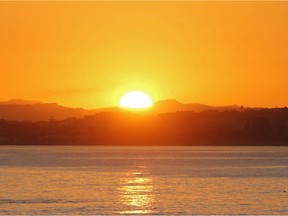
87,54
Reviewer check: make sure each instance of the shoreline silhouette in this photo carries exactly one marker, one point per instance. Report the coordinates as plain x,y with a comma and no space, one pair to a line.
210,127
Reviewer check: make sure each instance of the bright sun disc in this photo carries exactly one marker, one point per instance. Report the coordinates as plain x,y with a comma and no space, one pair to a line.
135,99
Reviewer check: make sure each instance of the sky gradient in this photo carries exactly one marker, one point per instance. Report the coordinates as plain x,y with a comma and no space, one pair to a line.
88,54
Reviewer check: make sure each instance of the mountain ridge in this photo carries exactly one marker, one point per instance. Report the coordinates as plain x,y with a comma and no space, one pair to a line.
22,110
174,106
18,101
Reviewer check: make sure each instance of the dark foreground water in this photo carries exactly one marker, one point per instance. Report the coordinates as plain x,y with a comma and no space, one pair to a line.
143,180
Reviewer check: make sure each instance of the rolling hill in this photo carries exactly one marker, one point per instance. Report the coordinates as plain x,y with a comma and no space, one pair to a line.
21,110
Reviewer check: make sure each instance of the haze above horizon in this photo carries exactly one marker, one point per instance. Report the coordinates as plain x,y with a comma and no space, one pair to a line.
88,54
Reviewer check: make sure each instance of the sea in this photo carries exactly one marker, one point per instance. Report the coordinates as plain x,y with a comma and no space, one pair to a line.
101,180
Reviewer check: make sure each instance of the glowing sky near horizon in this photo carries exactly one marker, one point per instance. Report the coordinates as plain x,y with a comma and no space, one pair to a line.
88,54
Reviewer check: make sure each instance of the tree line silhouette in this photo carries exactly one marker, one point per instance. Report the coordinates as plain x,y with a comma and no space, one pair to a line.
211,127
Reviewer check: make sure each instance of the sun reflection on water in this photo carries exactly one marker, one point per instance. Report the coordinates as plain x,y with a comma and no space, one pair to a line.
136,191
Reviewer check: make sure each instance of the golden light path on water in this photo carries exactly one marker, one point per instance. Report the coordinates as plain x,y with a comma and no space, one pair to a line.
136,191
90,180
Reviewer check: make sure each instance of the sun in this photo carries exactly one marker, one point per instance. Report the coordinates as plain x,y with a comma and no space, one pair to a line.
135,99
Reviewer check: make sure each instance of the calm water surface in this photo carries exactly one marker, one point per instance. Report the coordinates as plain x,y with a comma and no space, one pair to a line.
143,180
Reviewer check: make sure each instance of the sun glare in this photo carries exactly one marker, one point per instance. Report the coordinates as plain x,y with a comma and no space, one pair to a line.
135,99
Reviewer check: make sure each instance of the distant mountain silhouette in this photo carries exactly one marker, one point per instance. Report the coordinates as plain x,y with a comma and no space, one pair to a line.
20,102
38,112
21,110
171,105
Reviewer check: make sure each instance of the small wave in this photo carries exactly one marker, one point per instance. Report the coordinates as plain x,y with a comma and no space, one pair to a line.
22,201
38,201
